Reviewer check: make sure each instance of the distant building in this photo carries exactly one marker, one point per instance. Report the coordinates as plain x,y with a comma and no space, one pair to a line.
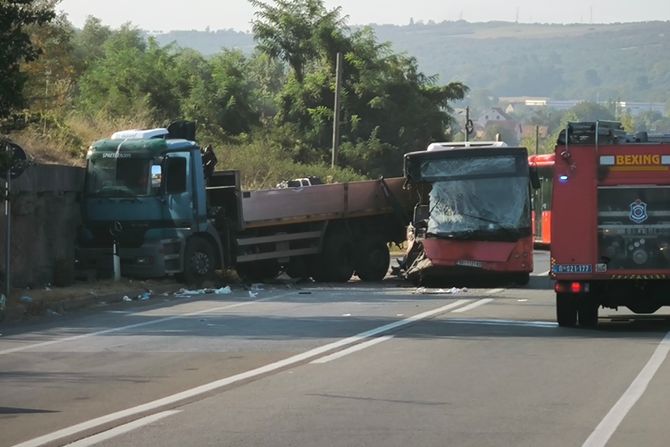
634,108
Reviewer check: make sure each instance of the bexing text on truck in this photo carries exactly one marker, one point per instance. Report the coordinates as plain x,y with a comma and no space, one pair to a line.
146,195
610,242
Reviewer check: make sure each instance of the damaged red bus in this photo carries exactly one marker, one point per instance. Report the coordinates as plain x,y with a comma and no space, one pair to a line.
472,220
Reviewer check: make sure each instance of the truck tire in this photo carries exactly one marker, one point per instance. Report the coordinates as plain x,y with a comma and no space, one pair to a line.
372,260
199,261
566,310
335,264
587,313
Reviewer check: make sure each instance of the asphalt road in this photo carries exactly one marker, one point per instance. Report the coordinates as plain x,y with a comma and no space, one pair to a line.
381,364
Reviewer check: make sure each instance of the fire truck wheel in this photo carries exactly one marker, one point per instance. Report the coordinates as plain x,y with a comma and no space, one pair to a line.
372,260
587,313
199,261
566,310
336,261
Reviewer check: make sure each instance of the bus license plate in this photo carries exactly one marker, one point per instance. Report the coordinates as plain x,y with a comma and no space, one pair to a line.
469,263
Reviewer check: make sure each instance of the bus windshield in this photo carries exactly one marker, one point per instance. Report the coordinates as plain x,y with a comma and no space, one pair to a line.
492,208
122,177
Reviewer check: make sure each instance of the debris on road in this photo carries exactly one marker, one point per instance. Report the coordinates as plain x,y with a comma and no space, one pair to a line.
429,291
223,291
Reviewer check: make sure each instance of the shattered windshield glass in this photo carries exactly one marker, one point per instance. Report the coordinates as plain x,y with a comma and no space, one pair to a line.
119,177
475,202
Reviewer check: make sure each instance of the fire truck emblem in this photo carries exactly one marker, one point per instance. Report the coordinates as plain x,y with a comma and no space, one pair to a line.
638,211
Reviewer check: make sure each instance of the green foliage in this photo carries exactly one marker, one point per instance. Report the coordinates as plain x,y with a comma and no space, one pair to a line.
16,16
264,165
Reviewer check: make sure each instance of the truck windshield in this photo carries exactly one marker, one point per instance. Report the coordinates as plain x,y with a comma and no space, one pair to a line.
119,177
484,199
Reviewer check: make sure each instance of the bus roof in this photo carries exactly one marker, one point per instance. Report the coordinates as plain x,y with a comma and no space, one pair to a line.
464,144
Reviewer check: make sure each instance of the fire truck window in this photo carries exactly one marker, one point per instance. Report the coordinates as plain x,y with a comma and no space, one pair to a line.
176,175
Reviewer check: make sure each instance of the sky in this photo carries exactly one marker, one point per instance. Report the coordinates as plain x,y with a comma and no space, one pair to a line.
167,15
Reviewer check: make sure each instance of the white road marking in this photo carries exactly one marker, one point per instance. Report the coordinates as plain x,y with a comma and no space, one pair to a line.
613,419
122,429
355,348
493,291
472,305
493,322
137,325
218,384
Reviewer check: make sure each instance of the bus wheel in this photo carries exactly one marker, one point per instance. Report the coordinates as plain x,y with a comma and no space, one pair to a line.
587,311
199,261
335,264
522,279
566,310
372,260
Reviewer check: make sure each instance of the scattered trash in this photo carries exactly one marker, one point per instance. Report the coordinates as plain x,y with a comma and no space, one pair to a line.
53,313
346,315
192,292
223,291
126,298
144,296
452,291
25,299
258,287
521,301
253,294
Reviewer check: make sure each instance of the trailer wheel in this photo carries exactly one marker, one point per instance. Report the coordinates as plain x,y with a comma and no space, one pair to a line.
566,310
336,261
199,261
373,260
587,312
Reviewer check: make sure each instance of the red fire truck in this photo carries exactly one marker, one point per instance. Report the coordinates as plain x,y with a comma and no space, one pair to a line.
472,218
610,222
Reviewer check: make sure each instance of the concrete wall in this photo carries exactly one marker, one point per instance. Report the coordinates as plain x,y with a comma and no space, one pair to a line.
45,219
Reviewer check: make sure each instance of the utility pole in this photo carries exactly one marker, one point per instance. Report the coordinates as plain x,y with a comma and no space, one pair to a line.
336,110
8,237
469,125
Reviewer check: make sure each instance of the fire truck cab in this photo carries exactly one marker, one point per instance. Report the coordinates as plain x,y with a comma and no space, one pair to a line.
610,222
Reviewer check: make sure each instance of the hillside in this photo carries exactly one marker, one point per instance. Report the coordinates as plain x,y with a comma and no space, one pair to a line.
628,61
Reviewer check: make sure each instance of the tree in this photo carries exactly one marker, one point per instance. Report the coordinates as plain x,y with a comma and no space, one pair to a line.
293,29
16,46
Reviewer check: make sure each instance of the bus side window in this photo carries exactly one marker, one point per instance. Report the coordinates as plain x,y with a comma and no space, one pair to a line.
176,175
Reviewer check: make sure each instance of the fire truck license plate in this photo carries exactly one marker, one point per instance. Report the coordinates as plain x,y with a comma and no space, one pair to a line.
573,268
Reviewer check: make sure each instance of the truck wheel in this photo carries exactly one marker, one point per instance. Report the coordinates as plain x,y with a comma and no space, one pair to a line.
335,263
373,260
587,312
566,310
199,261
